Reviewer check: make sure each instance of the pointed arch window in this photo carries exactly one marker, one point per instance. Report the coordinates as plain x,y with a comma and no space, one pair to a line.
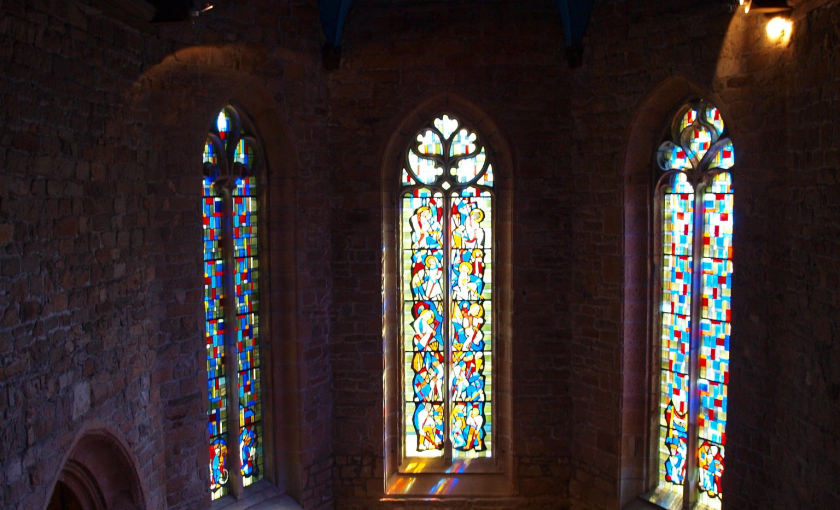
446,261
232,163
694,203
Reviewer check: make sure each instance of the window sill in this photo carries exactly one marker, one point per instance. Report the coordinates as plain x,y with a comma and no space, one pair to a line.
262,495
436,466
444,485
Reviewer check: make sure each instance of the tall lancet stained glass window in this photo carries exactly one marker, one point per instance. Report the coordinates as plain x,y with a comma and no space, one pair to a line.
446,250
695,204
231,303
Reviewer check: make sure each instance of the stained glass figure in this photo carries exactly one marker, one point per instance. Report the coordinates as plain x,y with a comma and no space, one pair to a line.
695,300
446,251
230,212
218,471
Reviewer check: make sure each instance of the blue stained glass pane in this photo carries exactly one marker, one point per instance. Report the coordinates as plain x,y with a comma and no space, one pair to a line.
672,157
244,153
711,420
241,211
223,125
724,157
700,140
210,153
714,118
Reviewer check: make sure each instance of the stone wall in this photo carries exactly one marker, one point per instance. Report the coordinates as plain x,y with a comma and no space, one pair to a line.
103,119
100,273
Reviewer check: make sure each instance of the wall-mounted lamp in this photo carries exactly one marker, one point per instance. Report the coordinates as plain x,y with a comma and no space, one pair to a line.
779,29
765,6
780,26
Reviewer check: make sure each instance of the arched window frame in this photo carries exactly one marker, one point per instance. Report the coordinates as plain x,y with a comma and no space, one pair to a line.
224,171
474,477
709,171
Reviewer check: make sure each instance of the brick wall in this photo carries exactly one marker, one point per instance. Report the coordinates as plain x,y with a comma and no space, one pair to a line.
506,61
100,318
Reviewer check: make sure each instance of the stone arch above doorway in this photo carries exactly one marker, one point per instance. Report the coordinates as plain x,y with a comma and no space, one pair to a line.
99,474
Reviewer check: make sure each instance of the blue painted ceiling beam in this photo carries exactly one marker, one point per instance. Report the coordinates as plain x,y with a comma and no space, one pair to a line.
575,15
333,14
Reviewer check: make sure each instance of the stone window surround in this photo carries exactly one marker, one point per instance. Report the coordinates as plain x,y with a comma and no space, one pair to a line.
466,478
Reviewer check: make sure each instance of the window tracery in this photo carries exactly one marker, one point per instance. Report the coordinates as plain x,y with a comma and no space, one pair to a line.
695,211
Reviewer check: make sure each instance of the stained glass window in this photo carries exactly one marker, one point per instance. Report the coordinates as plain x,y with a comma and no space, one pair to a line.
446,251
695,197
231,303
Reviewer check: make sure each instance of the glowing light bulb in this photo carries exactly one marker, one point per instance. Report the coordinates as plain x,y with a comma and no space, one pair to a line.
779,29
